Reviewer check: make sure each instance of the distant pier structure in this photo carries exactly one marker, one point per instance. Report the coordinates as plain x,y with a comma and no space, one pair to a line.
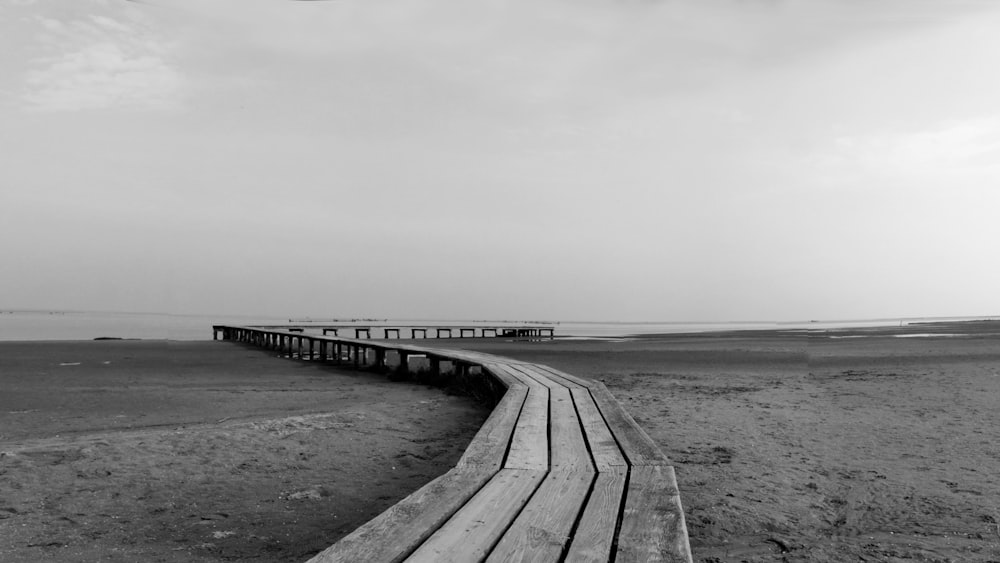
397,331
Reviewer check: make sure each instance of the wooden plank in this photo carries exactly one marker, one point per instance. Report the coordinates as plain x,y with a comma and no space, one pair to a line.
562,381
637,446
542,530
652,527
395,533
603,447
476,527
501,374
529,447
567,445
569,380
515,375
473,357
489,446
538,375
594,536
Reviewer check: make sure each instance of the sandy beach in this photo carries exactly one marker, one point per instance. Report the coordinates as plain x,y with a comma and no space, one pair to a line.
788,446
205,451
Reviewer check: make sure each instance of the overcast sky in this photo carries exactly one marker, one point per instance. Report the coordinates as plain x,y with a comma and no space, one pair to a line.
557,159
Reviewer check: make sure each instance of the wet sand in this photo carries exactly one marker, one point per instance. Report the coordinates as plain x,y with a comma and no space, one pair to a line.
788,446
205,451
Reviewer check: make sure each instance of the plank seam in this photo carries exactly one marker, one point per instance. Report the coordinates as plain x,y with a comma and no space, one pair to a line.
628,475
621,516
590,490
428,532
586,436
488,552
513,428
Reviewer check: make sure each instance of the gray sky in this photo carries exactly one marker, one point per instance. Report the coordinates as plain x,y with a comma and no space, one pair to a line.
556,159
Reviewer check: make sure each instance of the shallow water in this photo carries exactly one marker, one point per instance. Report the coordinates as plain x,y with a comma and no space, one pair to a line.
73,325
88,325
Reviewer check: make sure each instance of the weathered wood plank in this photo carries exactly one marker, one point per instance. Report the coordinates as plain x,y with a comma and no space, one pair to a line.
516,375
567,445
529,447
491,441
476,527
542,530
395,533
500,373
569,378
652,527
473,357
594,536
603,447
638,447
540,375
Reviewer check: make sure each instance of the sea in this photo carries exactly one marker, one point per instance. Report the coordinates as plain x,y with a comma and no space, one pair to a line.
88,325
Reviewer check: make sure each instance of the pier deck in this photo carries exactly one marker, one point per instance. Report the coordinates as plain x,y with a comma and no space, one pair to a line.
558,472
425,331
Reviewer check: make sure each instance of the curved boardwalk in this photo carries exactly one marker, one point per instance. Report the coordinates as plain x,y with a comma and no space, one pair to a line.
558,472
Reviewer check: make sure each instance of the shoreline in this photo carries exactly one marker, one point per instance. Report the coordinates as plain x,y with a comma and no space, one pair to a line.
152,326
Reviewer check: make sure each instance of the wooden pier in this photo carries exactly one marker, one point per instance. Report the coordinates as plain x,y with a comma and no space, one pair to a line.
558,472
437,331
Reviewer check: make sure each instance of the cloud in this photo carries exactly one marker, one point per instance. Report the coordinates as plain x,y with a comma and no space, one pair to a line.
550,65
950,154
97,62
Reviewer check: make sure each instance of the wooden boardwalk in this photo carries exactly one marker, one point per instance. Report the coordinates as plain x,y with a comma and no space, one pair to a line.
424,331
558,472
